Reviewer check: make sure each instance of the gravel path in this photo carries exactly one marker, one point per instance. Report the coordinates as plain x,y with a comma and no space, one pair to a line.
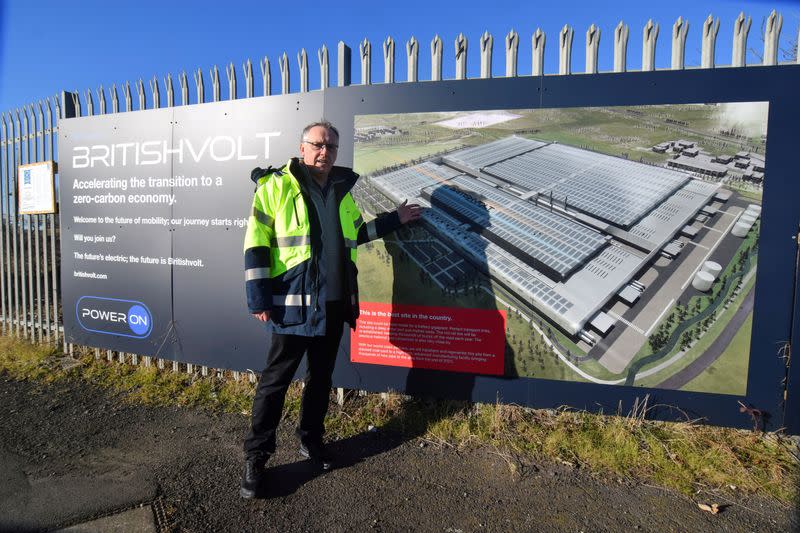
71,452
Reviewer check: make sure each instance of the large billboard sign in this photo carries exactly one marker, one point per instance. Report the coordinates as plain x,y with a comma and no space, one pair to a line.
586,240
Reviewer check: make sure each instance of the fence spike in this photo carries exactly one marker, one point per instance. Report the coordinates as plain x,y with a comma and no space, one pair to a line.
183,80
154,91
266,76
538,41
592,48
302,64
89,103
343,68
215,85
230,72
772,32
283,63
170,90
142,94
324,67
388,60
486,43
565,37
412,59
679,32
249,84
76,101
710,31
436,58
741,27
461,45
621,33
512,51
114,99
201,90
649,39
365,53
128,97
101,100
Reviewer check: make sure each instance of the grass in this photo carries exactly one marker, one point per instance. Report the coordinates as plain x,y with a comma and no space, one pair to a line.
686,457
732,362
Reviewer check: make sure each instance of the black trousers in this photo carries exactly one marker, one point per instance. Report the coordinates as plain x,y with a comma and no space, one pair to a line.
283,358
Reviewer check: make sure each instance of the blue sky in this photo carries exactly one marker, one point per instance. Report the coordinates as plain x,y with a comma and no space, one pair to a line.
49,46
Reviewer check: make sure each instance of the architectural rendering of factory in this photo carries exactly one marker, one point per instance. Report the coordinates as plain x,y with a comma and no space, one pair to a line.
564,229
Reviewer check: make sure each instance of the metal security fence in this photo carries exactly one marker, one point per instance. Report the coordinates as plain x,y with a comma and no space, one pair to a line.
29,269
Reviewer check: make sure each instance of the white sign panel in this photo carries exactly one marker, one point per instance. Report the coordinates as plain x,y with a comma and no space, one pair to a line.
36,193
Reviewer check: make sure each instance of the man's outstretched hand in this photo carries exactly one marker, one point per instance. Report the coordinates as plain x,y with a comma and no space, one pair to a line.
408,212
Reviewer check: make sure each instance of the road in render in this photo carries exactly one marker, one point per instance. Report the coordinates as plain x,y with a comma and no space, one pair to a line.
71,452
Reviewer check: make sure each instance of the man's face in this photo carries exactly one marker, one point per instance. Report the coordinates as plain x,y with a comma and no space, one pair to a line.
318,151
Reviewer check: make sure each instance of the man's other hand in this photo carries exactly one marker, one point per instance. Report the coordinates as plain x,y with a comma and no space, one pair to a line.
263,316
408,212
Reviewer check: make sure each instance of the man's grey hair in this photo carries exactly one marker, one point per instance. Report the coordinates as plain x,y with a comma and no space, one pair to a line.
324,124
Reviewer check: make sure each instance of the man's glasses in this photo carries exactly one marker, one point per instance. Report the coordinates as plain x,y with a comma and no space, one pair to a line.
320,146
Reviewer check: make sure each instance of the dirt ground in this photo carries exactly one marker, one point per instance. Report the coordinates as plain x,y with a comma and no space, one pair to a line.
72,452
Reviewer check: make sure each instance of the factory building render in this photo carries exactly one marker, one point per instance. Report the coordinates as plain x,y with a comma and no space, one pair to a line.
564,229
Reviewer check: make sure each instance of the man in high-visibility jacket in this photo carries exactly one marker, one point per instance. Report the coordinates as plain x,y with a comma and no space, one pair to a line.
300,272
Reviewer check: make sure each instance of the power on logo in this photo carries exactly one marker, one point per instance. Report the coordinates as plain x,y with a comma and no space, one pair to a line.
114,316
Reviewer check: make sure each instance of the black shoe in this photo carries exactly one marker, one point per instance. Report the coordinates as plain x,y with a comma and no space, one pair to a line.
252,476
316,452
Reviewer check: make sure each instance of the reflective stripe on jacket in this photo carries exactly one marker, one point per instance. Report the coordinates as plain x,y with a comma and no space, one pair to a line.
282,247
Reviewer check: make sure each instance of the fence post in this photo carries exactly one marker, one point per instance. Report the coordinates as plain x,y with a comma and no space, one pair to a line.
710,31
412,59
101,99
741,27
512,51
302,65
679,31
344,56
89,103
201,90
44,128
461,57
52,121
324,68
592,47
266,76
183,79
649,38
436,58
142,94
283,63
388,60
621,33
128,97
4,218
365,53
18,139
772,33
215,86
538,41
486,43
249,84
565,50
114,98
33,140
170,90
154,91
230,73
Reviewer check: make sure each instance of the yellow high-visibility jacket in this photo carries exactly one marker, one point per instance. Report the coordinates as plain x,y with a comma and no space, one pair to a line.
282,248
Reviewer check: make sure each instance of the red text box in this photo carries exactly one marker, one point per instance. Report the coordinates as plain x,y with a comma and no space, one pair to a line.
440,338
